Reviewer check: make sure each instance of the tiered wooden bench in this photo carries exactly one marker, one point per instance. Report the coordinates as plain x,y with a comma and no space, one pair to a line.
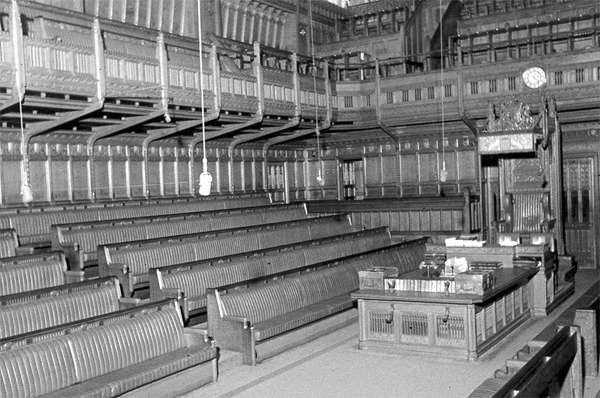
79,241
9,244
567,347
40,309
188,282
131,261
549,369
37,271
33,224
131,352
263,319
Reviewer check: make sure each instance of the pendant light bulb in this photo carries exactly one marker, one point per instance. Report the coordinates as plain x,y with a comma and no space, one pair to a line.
205,179
26,193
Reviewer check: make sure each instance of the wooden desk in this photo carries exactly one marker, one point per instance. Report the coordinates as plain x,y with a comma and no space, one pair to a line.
453,325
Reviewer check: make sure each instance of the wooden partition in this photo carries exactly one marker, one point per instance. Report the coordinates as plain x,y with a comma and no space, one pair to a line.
406,217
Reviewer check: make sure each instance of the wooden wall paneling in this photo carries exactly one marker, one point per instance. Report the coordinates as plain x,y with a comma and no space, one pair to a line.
154,170
390,174
80,178
11,179
373,176
59,172
409,177
170,176
330,174
237,176
183,178
102,187
247,173
428,173
119,177
258,174
223,175
136,165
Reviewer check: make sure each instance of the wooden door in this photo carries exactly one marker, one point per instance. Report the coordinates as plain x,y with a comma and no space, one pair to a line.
580,210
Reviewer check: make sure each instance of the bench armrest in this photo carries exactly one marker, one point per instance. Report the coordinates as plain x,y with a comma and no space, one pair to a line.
73,276
236,333
128,302
179,295
121,271
239,319
23,250
73,254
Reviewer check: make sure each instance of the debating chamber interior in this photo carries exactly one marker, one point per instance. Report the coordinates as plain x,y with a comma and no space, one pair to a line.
299,198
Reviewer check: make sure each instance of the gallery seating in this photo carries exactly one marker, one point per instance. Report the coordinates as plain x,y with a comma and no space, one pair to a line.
79,241
36,271
40,309
263,319
131,351
33,224
188,282
130,261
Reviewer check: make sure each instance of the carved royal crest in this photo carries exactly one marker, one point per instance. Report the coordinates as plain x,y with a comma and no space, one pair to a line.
510,116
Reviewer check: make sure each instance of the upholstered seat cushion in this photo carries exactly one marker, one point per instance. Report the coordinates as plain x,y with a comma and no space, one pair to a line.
311,313
17,278
119,382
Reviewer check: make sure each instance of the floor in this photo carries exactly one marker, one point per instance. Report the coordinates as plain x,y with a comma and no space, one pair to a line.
332,366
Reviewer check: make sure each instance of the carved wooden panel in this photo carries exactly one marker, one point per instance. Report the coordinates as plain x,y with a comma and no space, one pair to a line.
119,178
580,210
170,185
135,171
59,179
101,180
409,168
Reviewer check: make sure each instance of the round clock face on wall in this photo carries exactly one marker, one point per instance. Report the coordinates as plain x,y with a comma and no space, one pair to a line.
534,77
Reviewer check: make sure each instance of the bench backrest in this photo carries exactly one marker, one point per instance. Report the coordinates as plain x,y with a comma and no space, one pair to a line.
32,314
48,366
31,273
35,226
279,297
8,242
141,256
194,282
90,235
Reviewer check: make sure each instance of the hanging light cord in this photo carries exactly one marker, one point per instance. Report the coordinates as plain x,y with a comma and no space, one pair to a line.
314,63
442,94
204,159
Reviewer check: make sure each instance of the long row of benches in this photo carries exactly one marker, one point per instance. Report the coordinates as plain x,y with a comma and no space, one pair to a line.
266,316
131,261
35,271
43,308
79,241
109,355
33,226
189,282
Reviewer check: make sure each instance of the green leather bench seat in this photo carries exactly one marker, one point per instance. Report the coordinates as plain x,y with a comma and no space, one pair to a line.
79,241
295,319
41,309
131,261
269,316
33,225
21,274
192,283
8,242
104,361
